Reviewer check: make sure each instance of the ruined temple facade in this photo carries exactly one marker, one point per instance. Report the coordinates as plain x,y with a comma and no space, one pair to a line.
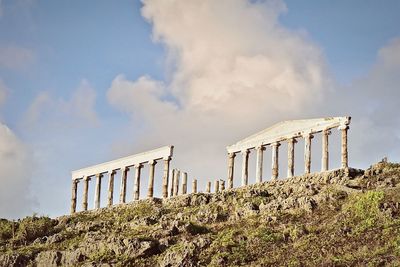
124,165
288,131
175,181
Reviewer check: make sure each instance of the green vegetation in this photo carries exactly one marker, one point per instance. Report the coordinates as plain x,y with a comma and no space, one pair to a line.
34,227
362,211
102,255
7,230
27,229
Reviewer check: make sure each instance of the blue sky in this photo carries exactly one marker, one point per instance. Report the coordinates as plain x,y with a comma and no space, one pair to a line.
350,32
67,108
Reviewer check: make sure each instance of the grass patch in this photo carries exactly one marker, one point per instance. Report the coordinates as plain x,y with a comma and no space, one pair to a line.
362,211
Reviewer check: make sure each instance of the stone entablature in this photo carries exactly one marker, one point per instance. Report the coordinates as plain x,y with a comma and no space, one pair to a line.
286,130
141,158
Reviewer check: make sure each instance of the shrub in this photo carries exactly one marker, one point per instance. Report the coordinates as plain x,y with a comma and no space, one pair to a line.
6,229
363,210
33,227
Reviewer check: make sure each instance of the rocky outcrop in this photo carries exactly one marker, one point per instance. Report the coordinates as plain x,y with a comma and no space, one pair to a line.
188,230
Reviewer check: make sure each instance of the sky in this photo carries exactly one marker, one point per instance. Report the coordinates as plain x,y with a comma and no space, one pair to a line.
83,82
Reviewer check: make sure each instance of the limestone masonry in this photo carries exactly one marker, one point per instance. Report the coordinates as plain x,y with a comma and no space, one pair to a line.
287,131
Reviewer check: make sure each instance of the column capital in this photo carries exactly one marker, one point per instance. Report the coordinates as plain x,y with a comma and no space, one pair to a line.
86,178
308,135
292,140
152,162
167,158
99,175
262,147
343,127
124,168
138,166
277,144
111,172
327,131
245,151
232,155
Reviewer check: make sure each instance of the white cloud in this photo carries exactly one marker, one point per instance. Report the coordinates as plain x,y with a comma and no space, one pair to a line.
233,70
15,57
16,170
78,110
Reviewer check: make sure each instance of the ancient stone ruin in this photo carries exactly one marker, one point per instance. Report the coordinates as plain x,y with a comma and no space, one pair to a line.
124,165
287,131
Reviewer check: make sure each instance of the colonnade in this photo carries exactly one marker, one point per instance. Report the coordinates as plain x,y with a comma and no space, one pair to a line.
290,134
124,165
289,131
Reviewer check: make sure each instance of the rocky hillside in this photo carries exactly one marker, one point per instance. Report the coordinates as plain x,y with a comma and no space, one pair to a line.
328,219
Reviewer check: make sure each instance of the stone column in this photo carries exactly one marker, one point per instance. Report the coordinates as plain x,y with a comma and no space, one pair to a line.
136,186
307,152
208,187
122,192
165,177
86,180
345,155
325,150
291,143
97,191
245,167
259,168
275,163
150,190
184,183
231,166
176,182
171,193
222,185
216,186
194,186
73,195
110,187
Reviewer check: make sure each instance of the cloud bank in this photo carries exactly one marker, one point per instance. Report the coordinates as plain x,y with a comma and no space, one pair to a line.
232,69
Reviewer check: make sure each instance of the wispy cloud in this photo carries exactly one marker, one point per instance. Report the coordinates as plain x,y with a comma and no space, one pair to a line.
15,57
57,112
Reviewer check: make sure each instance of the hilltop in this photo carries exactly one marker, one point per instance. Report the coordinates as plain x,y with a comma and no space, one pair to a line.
335,218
